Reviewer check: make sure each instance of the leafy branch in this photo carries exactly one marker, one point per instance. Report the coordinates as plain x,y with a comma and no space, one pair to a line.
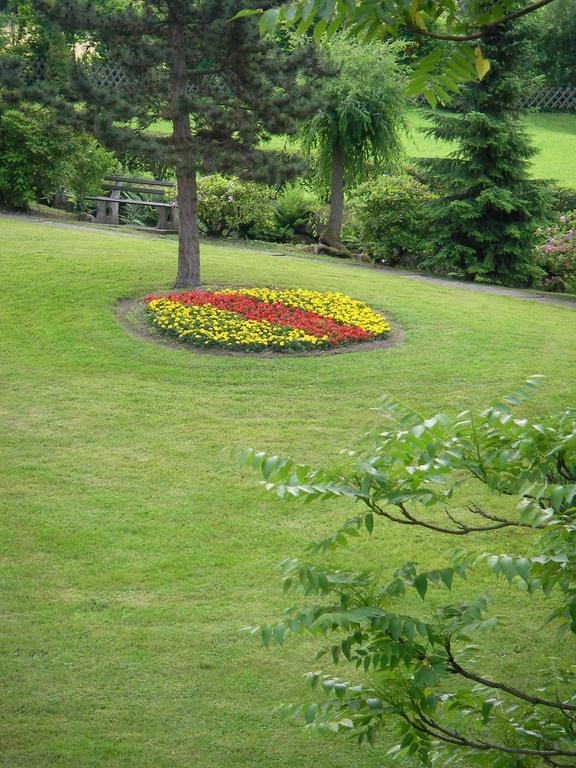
424,695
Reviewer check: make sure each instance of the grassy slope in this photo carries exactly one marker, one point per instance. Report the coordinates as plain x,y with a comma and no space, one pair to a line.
133,548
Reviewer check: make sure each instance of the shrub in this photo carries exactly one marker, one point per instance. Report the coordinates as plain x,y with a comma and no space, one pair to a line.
33,155
562,199
391,215
88,164
227,206
295,212
138,215
558,254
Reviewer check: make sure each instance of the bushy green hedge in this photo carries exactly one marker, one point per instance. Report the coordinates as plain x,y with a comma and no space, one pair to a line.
39,157
33,155
231,206
391,217
295,212
562,199
87,164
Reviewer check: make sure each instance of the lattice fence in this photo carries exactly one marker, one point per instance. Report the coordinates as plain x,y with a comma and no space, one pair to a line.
551,100
103,74
108,74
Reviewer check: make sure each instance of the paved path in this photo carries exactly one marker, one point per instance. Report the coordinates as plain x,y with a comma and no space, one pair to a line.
516,293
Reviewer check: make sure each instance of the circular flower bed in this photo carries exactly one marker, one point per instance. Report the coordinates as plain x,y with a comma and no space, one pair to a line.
259,319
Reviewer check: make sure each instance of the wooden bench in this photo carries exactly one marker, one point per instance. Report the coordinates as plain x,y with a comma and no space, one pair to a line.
108,207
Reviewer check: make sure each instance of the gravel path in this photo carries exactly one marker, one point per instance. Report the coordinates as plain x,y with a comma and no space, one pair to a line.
516,293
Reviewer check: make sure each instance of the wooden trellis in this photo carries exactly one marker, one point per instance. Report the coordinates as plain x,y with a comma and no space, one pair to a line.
108,74
103,74
551,100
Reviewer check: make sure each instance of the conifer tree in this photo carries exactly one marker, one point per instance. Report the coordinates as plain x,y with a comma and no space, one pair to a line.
222,87
484,227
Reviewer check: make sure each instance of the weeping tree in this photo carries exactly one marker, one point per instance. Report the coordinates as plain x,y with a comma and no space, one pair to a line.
357,131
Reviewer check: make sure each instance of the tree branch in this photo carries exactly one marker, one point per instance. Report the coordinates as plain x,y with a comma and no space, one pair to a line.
459,670
453,737
461,530
483,30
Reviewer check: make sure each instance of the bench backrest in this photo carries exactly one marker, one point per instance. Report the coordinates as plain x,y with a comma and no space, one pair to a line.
126,184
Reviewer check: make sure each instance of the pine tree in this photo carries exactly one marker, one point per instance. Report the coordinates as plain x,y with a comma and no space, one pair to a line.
221,86
484,226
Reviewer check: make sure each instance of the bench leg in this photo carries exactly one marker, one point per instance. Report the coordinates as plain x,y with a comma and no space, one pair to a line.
107,212
167,219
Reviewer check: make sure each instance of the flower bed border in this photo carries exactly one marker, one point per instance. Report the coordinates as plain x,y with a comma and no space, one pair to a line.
132,316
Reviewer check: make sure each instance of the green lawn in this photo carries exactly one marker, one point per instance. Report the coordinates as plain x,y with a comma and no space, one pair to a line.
134,550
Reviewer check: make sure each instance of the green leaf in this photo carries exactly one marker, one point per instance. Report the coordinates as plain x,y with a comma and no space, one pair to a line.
523,567
268,20
447,576
556,497
508,567
247,12
266,635
396,627
421,584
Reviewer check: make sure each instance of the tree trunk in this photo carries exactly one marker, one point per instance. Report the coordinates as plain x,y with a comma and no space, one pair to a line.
332,235
189,240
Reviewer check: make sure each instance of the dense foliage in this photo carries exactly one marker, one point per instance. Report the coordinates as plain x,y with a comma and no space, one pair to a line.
88,163
440,70
295,213
229,205
557,44
558,254
416,680
34,153
392,216
484,224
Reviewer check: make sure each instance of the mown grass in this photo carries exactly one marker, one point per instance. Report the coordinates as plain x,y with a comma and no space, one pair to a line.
133,548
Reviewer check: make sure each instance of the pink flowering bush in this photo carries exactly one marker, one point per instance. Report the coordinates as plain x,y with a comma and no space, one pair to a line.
558,254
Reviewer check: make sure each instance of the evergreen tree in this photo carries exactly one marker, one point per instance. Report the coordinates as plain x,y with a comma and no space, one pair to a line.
221,86
484,227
